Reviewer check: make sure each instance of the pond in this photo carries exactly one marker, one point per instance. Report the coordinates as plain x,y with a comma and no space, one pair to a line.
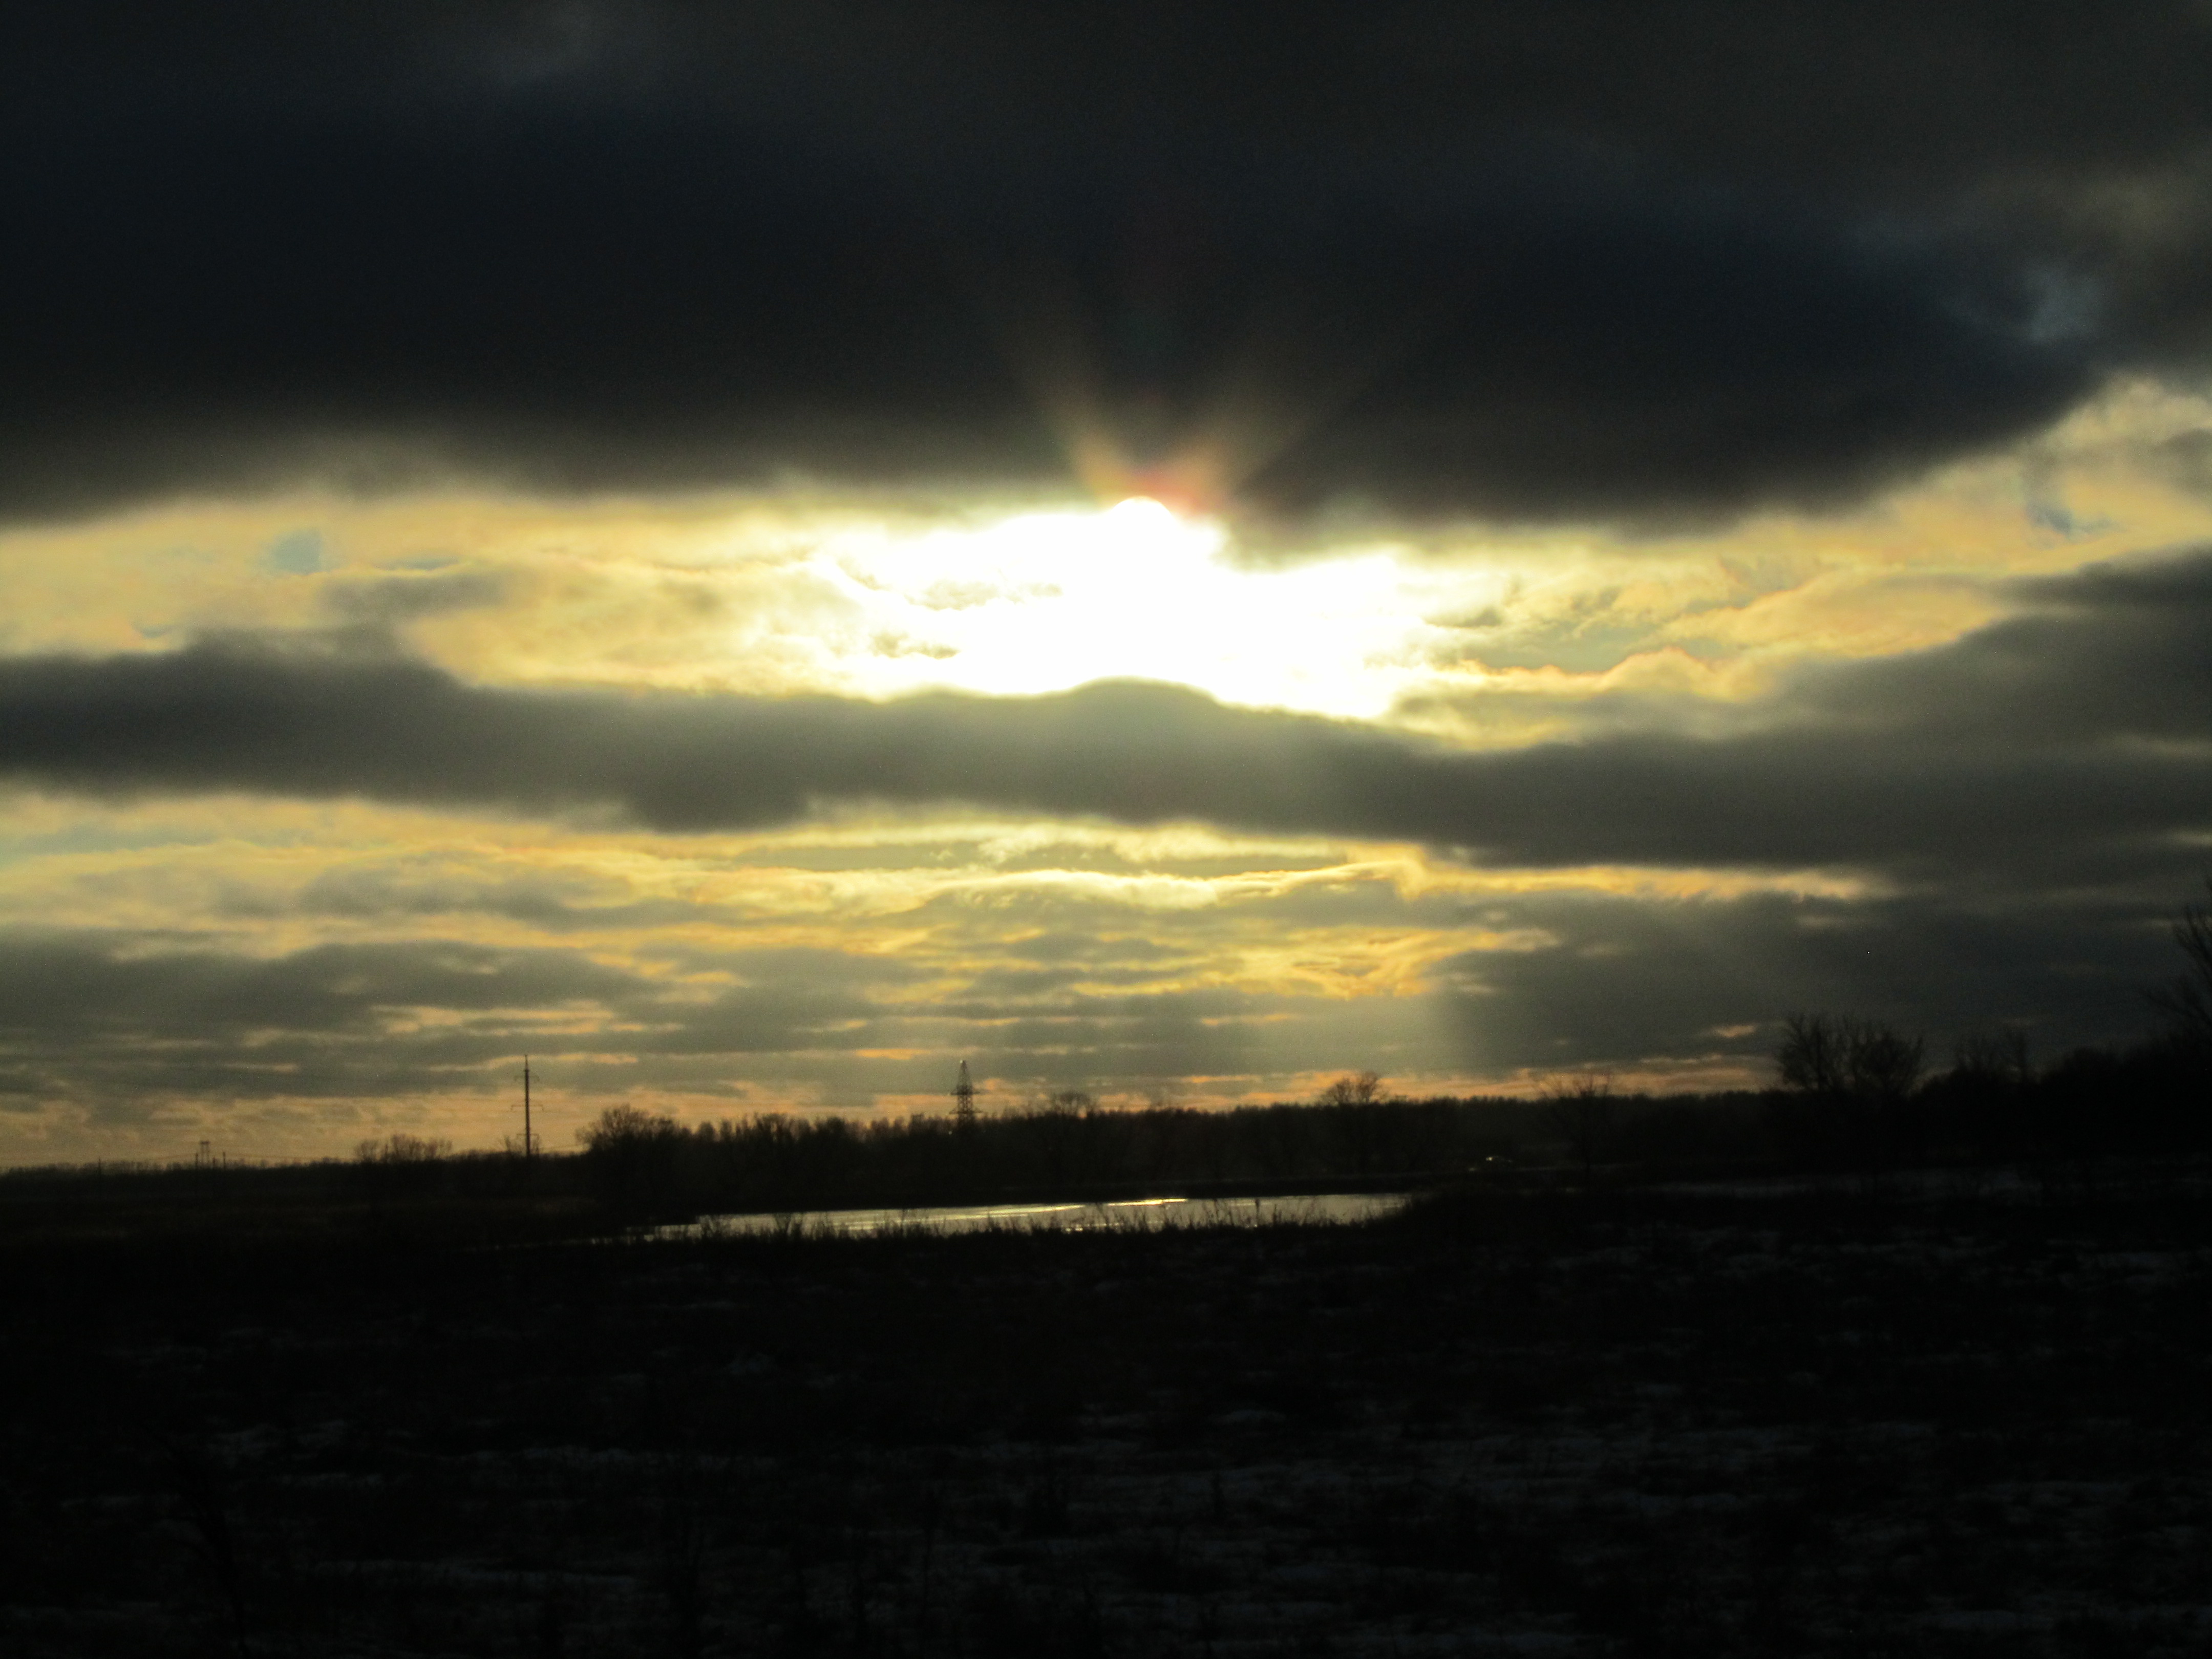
1128,1215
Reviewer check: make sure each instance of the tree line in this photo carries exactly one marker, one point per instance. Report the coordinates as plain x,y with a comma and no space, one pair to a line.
1852,1093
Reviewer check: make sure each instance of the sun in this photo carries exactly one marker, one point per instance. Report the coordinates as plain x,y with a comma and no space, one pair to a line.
1039,602
1089,595
1143,515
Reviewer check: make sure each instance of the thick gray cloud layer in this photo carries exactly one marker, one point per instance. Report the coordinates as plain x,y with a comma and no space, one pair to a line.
123,1025
1544,259
1632,980
88,1015
2081,727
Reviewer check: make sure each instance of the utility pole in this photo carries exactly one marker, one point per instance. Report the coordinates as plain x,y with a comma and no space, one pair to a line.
963,1100
529,1142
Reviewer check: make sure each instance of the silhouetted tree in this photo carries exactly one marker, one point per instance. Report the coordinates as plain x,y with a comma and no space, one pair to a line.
1811,1057
2186,1000
624,1126
1885,1064
1359,1089
1053,1126
1860,1075
1582,1110
200,1489
1985,1104
632,1154
1351,1102
400,1165
2001,1056
1849,1058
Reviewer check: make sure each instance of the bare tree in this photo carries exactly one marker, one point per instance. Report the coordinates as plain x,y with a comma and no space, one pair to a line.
1849,1058
1884,1063
1359,1089
1055,1123
621,1127
633,1153
1358,1130
1582,1109
2186,1000
402,1163
215,1540
2000,1057
1812,1056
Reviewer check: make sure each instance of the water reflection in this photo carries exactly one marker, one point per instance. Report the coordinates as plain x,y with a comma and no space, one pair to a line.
1127,1215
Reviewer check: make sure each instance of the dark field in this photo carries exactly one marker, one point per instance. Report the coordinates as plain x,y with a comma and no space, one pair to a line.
1962,1415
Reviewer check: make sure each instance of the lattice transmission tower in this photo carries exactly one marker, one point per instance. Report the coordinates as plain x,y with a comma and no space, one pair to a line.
963,1099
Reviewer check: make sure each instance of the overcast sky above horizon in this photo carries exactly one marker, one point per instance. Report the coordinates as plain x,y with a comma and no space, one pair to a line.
756,553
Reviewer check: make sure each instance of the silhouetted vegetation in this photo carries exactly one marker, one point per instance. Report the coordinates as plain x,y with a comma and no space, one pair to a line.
1584,1113
1867,1418
1853,1099
2186,1000
1698,1375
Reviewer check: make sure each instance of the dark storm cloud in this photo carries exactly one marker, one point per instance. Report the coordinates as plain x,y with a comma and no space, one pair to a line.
83,1011
1632,980
1547,260
2084,722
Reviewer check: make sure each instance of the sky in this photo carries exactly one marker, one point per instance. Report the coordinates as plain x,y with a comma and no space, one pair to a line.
753,554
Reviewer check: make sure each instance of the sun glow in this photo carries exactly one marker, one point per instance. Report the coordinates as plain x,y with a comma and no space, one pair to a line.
1045,601
1483,636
